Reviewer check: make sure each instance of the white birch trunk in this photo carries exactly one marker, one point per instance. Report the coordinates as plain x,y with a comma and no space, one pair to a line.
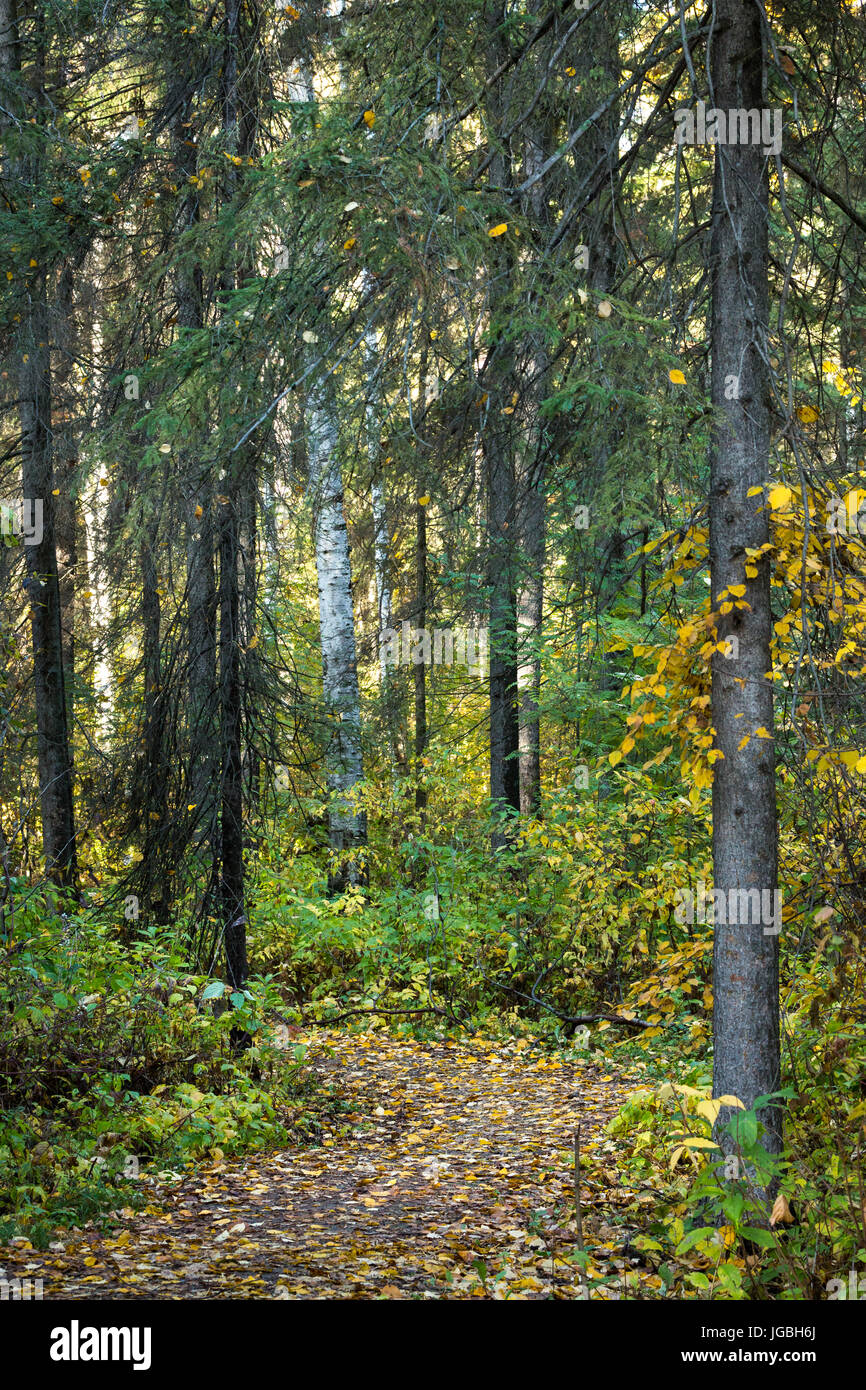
348,829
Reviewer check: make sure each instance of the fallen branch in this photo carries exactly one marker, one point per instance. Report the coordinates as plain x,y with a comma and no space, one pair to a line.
349,1013
606,1018
569,1018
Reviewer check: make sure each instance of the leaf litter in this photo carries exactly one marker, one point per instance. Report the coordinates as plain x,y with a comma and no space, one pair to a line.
448,1173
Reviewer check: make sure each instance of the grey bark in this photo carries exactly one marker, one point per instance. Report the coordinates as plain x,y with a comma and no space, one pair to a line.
501,486
538,144
746,969
33,362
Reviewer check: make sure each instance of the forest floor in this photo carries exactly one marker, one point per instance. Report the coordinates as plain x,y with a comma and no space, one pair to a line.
450,1175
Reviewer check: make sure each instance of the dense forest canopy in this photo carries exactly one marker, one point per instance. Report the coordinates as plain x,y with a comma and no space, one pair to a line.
433,609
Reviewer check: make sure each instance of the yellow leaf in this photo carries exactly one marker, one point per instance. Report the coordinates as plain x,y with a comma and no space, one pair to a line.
498,229
349,243
806,414
780,498
370,119
754,491
198,511
423,501
743,741
677,377
614,757
761,732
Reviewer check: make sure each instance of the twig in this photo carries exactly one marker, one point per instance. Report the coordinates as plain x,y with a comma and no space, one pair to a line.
578,1217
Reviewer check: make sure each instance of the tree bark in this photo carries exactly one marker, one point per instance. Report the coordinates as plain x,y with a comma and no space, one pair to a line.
390,686
66,438
420,667
201,581
33,353
231,846
539,141
341,695
155,885
501,489
231,784
746,968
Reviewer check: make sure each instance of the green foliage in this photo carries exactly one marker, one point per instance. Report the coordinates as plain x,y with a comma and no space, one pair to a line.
115,1063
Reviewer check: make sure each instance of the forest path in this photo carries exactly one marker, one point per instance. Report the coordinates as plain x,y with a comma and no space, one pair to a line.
450,1176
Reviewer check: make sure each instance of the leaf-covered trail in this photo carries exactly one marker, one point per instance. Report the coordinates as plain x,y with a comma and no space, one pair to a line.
450,1177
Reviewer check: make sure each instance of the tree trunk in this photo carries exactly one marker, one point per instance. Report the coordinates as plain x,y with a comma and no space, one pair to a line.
201,581
43,590
390,685
384,595
501,490
231,844
155,885
420,667
347,824
32,351
539,142
66,436
746,969
504,732
231,807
